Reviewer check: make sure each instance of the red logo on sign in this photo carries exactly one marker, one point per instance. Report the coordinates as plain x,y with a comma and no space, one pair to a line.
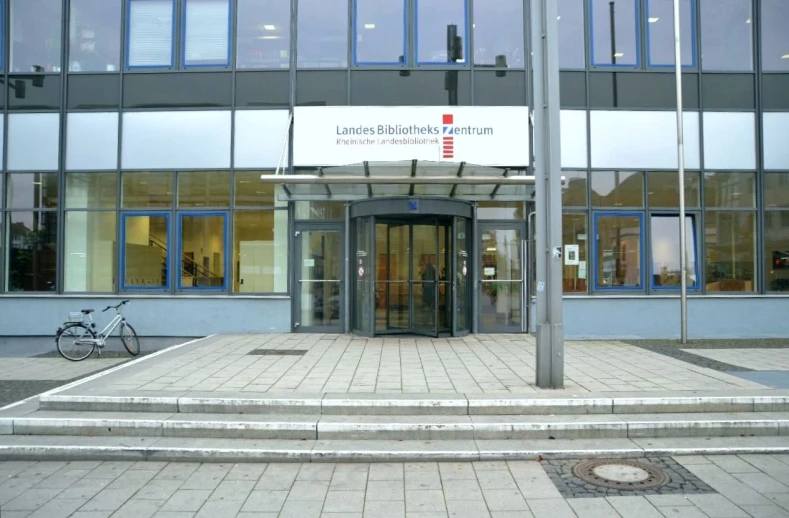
448,144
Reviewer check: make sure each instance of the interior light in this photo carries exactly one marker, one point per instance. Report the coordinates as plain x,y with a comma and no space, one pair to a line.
491,249
269,37
619,54
748,20
36,183
269,28
369,26
559,17
653,19
785,56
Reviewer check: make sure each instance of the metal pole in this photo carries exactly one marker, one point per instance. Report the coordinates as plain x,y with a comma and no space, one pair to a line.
681,162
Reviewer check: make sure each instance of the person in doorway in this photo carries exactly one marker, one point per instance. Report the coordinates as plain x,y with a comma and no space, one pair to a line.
428,284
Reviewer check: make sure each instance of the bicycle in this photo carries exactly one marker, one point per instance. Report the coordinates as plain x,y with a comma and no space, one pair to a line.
84,333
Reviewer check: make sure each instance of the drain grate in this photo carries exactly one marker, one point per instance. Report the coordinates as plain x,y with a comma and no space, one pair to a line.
620,474
278,352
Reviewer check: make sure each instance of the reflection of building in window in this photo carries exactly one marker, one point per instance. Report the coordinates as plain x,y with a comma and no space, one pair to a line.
94,35
35,35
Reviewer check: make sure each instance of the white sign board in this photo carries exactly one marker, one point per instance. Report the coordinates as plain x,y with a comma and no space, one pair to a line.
571,257
343,135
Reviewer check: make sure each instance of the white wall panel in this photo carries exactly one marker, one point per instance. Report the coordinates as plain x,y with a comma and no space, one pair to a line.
181,139
91,141
33,141
729,140
642,139
776,140
574,146
259,138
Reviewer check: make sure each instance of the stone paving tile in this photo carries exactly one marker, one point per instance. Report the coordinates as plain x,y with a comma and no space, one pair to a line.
751,358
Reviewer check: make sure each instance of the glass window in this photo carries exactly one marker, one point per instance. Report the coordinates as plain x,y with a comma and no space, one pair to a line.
145,190
776,190
204,189
32,191
33,141
35,35
202,250
664,189
775,37
32,255
617,43
574,239
572,51
90,252
776,250
618,250
617,189
730,190
92,141
250,192
436,22
390,88
505,210
379,32
94,35
320,210
498,33
263,34
730,239
574,189
726,35
91,190
666,270
322,34
207,33
660,32
260,251
150,33
144,257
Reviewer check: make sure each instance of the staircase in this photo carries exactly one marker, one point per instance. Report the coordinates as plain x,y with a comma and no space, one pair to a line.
199,275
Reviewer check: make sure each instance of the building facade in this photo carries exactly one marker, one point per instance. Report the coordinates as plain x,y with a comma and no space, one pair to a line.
136,135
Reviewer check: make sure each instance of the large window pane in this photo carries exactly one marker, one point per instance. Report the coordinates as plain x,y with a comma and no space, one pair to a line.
202,253
145,190
618,251
617,189
260,251
617,44
32,254
90,252
666,271
322,33
204,189
574,238
91,190
502,210
498,33
146,238
726,35
319,210
730,239
207,33
263,34
32,191
776,250
95,35
775,37
730,190
572,51
380,31
251,192
776,190
664,189
574,189
35,35
434,19
150,33
660,28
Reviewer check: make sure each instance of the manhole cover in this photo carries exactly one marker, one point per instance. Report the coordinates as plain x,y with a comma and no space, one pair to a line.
620,474
278,352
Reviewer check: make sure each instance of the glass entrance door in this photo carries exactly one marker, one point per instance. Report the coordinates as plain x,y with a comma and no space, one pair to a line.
425,294
501,277
319,294
461,294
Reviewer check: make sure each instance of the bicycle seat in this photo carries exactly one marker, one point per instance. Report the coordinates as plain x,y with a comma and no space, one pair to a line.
87,311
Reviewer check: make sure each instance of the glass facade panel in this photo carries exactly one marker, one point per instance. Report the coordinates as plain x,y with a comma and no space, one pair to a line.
726,35
92,141
91,190
501,279
202,254
379,32
95,35
617,189
204,189
146,238
730,190
776,152
572,51
32,191
32,251
390,88
503,210
260,251
151,25
33,141
34,92
775,37
89,264
500,89
498,34
666,271
664,189
776,190
660,32
574,189
575,272
263,34
35,35
614,43
776,250
206,32
731,251
619,253
319,210
146,190
250,192
322,34
729,140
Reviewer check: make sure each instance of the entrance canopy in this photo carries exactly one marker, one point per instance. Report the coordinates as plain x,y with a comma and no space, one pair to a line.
405,178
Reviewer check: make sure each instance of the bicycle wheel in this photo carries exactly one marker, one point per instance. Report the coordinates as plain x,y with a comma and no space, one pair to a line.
75,342
129,339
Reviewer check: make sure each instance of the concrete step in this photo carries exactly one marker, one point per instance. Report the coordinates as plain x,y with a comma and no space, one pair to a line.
20,447
427,404
376,427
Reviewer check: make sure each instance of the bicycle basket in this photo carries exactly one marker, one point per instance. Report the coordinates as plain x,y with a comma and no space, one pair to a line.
75,316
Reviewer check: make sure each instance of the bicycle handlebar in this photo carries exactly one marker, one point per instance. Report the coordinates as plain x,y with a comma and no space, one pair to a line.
116,306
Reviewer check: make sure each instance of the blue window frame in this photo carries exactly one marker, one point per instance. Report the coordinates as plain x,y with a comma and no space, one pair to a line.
360,26
621,266
206,43
608,46
442,36
660,31
142,265
665,251
150,43
203,275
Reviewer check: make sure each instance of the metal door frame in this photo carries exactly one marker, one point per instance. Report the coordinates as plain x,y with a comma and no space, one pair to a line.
455,307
